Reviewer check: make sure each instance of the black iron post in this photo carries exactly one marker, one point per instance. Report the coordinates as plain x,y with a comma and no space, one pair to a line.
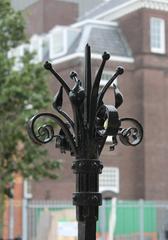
85,135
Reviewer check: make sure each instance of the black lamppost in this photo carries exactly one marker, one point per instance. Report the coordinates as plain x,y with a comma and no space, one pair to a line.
86,135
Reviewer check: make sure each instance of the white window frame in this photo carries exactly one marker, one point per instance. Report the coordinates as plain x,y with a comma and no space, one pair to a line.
109,173
18,53
161,36
27,189
63,31
39,50
45,45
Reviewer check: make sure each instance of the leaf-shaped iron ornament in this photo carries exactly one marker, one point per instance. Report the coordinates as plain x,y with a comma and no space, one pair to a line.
93,120
85,135
57,105
118,96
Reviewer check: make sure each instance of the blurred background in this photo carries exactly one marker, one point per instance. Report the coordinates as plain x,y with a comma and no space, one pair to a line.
134,180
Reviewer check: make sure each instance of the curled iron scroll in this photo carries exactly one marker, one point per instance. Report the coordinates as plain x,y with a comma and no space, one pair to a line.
45,133
131,135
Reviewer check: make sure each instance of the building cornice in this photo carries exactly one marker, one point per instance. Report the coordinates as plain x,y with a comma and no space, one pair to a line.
93,21
131,6
94,56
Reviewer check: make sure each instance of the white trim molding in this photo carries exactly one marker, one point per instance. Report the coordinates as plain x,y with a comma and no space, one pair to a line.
93,21
114,58
131,6
94,56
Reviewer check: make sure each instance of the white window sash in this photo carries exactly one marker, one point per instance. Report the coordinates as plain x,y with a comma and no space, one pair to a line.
18,53
109,174
53,54
161,36
26,191
36,45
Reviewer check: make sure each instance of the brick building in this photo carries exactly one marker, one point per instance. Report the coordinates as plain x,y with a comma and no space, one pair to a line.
135,34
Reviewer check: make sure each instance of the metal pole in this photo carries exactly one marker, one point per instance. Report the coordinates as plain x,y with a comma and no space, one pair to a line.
87,197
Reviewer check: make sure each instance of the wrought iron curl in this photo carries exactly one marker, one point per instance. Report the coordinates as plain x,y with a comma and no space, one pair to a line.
132,135
45,133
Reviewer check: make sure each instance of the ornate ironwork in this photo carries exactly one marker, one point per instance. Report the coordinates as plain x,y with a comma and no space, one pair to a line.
85,135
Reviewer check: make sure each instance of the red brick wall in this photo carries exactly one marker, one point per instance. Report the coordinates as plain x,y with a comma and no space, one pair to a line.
43,15
153,88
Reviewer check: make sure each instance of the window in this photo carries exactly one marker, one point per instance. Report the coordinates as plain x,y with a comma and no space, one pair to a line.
17,53
45,46
36,45
60,39
157,35
106,76
57,42
27,189
109,179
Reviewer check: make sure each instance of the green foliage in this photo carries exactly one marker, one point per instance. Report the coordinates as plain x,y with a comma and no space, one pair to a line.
22,94
11,25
